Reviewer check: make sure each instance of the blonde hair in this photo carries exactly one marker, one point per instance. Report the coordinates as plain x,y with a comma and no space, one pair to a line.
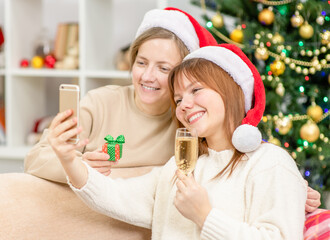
215,78
153,33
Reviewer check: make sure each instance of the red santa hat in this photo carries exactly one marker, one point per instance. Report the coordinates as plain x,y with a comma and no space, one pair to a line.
246,137
184,26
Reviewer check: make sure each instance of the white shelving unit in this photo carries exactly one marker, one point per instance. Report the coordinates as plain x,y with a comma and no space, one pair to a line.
105,26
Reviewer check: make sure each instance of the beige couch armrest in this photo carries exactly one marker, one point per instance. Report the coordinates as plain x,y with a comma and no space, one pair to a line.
33,208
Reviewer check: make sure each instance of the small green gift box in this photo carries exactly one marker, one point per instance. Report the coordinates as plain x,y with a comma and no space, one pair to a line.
113,147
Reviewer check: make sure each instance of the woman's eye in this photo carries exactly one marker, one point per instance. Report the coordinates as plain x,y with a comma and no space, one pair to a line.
165,69
177,102
194,90
140,62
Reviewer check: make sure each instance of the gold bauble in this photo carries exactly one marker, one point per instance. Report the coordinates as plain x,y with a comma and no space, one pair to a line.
274,141
37,62
217,20
261,53
266,16
280,90
283,125
310,131
237,35
325,37
297,20
277,67
315,112
306,31
278,39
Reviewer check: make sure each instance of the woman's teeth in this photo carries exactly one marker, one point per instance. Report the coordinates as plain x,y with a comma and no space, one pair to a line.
149,88
198,115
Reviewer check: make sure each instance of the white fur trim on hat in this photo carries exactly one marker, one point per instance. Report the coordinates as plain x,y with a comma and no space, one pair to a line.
246,138
174,21
233,65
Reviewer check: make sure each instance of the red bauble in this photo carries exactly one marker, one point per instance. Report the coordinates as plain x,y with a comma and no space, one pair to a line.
50,61
24,63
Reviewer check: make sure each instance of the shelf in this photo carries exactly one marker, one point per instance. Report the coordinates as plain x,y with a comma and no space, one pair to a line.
108,74
18,153
45,73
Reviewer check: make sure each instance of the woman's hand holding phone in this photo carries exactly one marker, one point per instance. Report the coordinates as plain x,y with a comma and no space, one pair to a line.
61,130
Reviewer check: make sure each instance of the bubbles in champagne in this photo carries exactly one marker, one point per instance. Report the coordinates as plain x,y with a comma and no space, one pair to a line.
186,153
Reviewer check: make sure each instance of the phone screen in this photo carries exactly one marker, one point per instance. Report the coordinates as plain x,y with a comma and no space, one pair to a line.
69,99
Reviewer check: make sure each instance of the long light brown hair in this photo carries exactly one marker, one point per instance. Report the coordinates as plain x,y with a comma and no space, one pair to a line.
215,78
154,33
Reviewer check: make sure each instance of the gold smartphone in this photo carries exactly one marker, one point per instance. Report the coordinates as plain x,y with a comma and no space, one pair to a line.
69,99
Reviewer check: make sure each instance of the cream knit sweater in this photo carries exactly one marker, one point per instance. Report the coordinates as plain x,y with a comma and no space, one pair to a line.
263,199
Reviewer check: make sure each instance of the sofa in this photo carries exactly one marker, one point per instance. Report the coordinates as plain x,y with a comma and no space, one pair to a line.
32,208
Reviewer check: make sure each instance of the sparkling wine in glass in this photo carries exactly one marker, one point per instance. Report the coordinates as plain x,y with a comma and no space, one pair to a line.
186,149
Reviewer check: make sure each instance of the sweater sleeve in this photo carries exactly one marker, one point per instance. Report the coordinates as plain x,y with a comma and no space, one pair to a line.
275,200
41,160
130,200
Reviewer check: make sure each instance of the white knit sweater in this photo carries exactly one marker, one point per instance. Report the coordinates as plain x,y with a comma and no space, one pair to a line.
264,198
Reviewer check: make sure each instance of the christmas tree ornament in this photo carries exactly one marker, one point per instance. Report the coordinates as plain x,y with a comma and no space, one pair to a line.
310,131
325,36
283,124
274,140
113,147
277,38
24,63
50,61
306,31
237,35
37,62
261,53
266,16
315,112
280,90
296,20
320,20
217,20
277,67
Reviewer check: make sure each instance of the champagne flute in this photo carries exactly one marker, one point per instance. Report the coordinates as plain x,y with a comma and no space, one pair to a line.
186,149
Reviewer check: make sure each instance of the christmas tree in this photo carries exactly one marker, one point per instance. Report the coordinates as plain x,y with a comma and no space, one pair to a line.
289,43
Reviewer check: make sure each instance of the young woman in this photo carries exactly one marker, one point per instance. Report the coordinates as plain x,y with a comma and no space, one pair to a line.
240,188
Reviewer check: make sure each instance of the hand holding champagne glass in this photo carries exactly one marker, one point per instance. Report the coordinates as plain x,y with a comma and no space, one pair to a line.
186,149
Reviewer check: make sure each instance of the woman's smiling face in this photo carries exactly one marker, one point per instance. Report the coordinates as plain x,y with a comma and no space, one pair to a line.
200,107
153,63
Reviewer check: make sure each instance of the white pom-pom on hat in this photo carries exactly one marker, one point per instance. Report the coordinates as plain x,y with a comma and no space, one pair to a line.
246,137
183,25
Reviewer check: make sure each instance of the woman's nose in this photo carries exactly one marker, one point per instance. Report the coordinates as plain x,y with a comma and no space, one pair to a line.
149,74
187,102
